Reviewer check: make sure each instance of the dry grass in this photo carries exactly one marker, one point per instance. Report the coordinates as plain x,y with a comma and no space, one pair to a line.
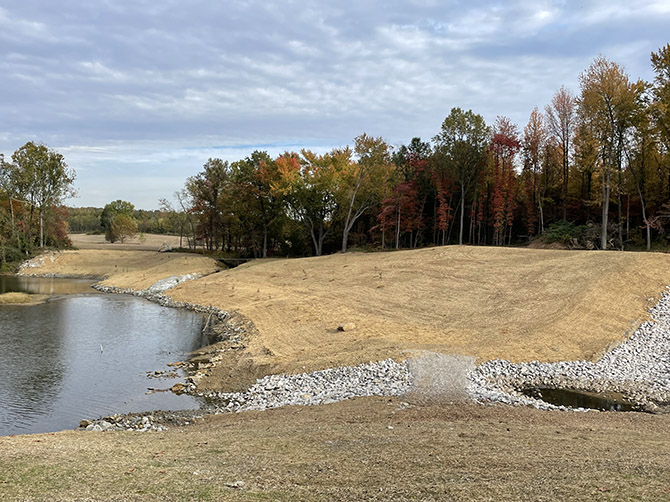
123,269
21,299
518,304
366,449
145,242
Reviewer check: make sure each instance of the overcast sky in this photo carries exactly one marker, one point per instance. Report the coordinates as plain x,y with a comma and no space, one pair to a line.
138,94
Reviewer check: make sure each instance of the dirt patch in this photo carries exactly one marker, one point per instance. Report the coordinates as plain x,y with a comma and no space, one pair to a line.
364,449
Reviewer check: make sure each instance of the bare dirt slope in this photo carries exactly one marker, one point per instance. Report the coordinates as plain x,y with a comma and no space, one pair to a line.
123,269
518,304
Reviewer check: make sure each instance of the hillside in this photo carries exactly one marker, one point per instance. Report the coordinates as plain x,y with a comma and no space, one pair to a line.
518,304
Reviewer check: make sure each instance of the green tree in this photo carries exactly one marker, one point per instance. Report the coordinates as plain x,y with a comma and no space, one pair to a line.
109,215
123,226
461,145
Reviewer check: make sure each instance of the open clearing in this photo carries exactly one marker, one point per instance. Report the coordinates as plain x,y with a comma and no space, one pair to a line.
141,242
121,268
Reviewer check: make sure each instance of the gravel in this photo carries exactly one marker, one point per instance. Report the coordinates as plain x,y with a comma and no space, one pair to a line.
639,369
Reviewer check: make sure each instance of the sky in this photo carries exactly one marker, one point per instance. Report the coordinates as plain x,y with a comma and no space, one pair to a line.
137,95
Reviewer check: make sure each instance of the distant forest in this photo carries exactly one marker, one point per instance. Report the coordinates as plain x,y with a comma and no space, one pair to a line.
589,171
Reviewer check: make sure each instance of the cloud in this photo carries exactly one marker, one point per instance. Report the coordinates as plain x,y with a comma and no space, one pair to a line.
82,75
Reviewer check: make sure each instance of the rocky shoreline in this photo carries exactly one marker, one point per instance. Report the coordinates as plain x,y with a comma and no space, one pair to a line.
638,370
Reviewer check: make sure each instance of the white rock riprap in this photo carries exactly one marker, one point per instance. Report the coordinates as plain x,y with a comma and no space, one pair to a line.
170,282
383,378
639,369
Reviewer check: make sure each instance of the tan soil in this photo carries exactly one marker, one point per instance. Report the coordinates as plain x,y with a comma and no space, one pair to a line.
122,268
347,451
517,304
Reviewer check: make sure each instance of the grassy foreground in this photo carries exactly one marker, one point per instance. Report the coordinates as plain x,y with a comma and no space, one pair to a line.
365,449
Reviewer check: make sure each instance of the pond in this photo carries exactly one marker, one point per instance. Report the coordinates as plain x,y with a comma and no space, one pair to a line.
86,356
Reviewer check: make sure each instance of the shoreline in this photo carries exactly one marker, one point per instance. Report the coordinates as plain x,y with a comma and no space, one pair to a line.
494,381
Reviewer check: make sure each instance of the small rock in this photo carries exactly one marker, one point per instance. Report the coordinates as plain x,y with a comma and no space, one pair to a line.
84,423
235,484
347,326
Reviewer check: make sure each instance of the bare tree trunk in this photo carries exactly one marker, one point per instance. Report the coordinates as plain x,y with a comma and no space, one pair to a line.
397,231
41,229
605,210
460,230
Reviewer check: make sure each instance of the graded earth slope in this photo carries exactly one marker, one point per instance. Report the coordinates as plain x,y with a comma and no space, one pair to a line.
123,269
517,304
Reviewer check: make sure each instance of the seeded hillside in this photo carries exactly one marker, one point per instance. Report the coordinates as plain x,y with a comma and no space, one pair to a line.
518,304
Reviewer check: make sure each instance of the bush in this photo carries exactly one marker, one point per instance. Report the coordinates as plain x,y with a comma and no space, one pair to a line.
565,232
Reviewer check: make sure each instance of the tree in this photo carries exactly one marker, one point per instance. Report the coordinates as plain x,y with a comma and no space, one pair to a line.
660,62
39,177
364,180
111,213
534,140
258,206
462,145
206,190
123,227
605,105
561,118
310,183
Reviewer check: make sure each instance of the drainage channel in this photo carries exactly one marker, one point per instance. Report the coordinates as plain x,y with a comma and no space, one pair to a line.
603,401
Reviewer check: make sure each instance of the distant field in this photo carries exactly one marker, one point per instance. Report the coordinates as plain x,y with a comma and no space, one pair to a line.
147,242
122,267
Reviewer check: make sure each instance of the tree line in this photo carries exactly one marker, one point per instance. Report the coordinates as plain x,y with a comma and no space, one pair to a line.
591,169
33,184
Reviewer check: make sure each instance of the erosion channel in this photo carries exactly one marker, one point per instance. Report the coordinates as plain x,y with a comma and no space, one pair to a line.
84,355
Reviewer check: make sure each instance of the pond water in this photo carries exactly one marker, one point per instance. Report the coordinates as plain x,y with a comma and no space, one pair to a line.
87,356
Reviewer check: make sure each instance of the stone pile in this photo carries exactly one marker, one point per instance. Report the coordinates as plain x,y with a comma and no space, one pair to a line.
383,378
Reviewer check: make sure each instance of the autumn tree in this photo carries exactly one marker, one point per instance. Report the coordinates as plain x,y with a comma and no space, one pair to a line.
605,106
660,62
504,146
39,177
561,121
461,144
363,181
534,141
310,183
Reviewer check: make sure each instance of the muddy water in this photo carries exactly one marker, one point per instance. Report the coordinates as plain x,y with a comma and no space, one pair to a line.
86,356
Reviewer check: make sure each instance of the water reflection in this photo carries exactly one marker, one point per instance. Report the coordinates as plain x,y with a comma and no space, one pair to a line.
87,356
45,285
